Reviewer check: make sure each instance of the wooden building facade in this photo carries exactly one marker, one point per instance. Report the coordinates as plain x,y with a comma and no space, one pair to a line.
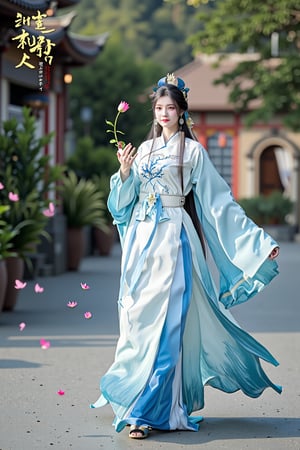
38,75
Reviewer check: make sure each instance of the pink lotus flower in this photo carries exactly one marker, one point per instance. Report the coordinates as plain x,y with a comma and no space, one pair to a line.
20,284
88,315
60,392
50,211
122,108
84,286
13,197
1,186
72,304
38,289
44,344
22,325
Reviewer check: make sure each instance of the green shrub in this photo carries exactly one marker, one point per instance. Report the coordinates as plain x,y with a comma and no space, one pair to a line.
266,210
88,161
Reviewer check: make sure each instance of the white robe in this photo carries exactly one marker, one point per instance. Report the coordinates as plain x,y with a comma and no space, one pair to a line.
176,333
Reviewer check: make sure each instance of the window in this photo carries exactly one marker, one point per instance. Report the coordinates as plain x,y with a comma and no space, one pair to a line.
221,157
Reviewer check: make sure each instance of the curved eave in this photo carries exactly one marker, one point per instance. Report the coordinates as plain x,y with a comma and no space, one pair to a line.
63,21
73,49
66,3
23,6
80,51
55,36
89,46
29,6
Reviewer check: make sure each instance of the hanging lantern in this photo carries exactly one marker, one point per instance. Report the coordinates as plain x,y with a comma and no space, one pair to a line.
68,78
222,140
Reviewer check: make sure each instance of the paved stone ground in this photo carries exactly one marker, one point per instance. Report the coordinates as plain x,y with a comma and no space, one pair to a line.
34,417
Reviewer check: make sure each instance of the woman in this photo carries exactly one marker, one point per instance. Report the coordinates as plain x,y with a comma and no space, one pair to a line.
176,333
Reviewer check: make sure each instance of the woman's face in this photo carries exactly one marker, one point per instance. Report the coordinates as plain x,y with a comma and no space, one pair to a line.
167,115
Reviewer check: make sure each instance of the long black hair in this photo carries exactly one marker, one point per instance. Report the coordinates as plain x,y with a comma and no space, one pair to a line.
185,132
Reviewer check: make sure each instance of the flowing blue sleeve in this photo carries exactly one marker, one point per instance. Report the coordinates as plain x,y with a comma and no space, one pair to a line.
239,247
122,199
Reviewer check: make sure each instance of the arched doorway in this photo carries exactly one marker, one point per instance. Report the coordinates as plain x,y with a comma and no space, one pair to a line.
269,177
274,166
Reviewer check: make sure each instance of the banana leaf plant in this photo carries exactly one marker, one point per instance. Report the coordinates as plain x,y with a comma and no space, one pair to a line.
26,179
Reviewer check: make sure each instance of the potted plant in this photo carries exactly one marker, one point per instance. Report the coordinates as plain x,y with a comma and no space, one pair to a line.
7,233
83,206
26,178
104,239
97,164
272,213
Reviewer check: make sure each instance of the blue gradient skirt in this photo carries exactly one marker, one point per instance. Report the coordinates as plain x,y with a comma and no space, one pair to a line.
162,365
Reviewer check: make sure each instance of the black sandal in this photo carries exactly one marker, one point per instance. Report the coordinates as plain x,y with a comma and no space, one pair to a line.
139,431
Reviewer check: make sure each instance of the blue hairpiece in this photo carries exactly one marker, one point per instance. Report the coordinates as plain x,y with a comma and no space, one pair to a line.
171,79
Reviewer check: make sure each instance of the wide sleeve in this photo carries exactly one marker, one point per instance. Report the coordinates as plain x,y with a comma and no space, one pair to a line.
239,247
122,199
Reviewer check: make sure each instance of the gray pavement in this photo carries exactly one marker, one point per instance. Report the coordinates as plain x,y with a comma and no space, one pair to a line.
34,417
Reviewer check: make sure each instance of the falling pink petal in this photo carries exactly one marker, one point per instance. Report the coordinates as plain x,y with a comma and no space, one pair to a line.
13,197
84,286
44,344
72,304
50,211
38,289
88,315
1,186
20,284
61,392
22,325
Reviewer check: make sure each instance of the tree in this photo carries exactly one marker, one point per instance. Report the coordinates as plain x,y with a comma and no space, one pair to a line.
113,77
142,27
255,26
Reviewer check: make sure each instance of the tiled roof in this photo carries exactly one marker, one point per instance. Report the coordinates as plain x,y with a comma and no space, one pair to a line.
33,5
9,8
199,76
24,6
71,48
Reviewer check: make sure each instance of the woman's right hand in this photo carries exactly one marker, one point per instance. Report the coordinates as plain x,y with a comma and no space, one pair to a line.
126,157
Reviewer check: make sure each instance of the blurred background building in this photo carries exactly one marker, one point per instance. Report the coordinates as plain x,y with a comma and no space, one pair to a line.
253,160
44,86
30,76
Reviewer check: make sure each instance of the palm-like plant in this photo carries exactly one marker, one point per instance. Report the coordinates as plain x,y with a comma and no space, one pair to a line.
103,184
82,202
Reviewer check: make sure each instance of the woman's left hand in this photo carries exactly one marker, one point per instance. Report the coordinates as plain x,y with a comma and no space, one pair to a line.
274,253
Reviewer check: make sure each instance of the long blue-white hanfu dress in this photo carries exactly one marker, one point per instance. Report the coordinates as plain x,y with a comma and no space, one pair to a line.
176,333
